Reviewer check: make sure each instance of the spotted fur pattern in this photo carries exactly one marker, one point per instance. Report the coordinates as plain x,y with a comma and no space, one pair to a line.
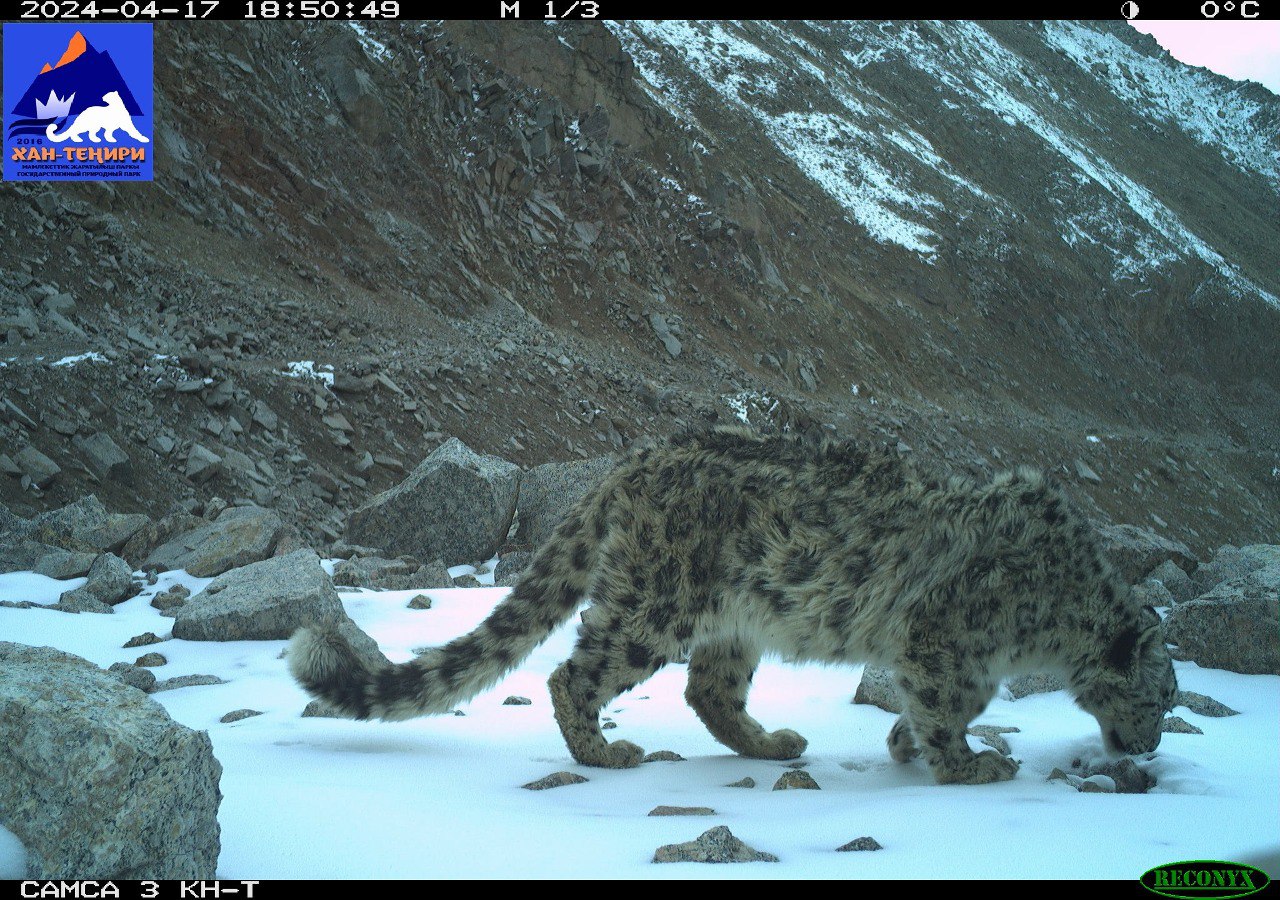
720,546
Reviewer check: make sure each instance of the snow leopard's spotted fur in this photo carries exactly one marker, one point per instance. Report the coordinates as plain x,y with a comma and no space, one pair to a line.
720,546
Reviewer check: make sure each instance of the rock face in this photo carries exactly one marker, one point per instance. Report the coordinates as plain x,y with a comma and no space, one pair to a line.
99,781
1233,562
269,600
1236,626
1136,551
548,491
240,535
456,505
1177,582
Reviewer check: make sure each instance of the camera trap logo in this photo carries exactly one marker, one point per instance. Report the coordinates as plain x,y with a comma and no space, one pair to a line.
78,102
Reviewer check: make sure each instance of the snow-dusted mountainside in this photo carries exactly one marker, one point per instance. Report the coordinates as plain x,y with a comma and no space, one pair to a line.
986,243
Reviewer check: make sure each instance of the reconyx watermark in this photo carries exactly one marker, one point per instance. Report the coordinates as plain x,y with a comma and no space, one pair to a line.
1205,878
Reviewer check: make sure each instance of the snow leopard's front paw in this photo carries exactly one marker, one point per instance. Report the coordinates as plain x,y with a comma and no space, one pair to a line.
782,744
981,768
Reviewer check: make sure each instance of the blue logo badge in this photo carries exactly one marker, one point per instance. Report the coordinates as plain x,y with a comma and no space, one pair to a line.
78,102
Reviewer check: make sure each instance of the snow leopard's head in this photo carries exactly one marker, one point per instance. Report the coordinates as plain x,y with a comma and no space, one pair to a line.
1133,687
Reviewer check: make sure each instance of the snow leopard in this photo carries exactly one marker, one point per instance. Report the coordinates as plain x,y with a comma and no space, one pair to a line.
719,546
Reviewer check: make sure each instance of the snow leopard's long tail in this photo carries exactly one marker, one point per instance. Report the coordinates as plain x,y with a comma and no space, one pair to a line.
545,597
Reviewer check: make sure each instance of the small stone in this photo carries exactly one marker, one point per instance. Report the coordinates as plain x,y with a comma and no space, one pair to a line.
554,780
467,581
170,684
1178,725
319,709
1097,784
81,600
170,599
682,811
990,735
877,688
148,660
142,679
238,714
422,601
607,725
717,845
663,756
517,701
142,640
747,782
862,843
1083,471
796,780
1204,705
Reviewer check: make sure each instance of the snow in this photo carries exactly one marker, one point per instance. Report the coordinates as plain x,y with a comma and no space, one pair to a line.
307,369
440,797
91,356
374,48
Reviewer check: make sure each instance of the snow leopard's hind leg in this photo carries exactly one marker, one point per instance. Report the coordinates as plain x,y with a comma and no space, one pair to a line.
604,664
902,741
719,678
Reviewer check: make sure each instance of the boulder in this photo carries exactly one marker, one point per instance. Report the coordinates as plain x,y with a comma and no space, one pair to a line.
456,505
877,688
111,579
1235,626
36,466
161,531
548,491
1234,562
266,601
99,781
1136,551
403,574
1177,582
718,845
239,536
85,526
105,458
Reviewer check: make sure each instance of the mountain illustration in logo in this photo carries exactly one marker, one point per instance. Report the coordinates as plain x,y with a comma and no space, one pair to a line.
80,79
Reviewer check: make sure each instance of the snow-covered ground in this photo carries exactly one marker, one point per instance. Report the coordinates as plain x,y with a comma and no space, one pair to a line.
441,797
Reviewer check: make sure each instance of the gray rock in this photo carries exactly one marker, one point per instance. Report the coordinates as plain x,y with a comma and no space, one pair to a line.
268,600
202,464
432,576
422,601
319,709
747,782
1128,778
467,581
1136,551
1178,725
860,844
682,811
134,676
86,526
554,780
1235,626
239,714
80,600
171,599
182,681
796,780
111,579
142,640
718,845
373,572
240,535
877,689
1153,592
63,564
153,534
507,572
1235,562
456,505
663,756
517,701
1086,473
1204,705
1178,582
547,493
147,660
99,780
105,458
991,736
36,466
1035,683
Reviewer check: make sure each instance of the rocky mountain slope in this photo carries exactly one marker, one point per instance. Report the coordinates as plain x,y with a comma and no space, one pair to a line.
989,243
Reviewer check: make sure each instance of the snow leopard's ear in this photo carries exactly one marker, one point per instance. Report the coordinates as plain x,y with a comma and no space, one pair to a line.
1124,650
